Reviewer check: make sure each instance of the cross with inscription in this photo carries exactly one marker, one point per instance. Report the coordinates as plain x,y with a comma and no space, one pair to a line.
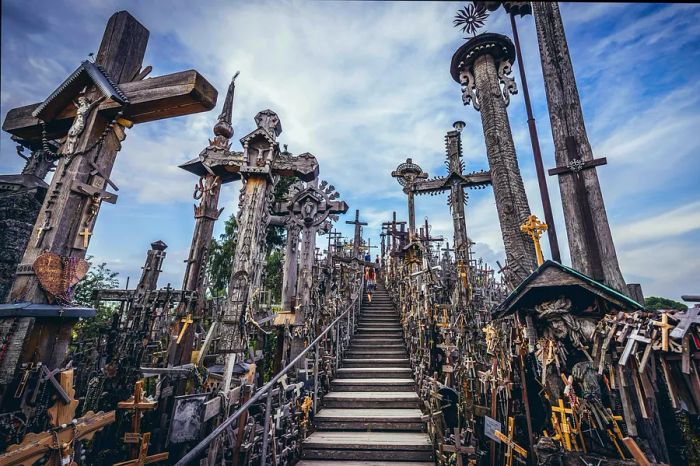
112,95
408,174
357,238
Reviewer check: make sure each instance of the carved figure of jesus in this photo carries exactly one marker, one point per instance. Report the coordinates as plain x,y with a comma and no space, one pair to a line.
83,106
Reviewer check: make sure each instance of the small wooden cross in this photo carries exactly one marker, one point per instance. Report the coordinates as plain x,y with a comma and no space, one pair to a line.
665,327
510,443
136,403
41,232
564,424
143,457
186,321
458,448
632,341
691,316
86,234
534,228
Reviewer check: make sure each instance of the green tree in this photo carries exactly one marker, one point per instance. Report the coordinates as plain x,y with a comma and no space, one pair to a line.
654,303
99,277
221,258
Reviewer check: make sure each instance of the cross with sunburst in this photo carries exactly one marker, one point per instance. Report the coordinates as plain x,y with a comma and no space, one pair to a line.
471,17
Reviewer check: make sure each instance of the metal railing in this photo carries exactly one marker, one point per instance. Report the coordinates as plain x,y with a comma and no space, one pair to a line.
267,389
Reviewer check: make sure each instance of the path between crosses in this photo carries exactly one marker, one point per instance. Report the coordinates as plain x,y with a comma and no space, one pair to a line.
371,415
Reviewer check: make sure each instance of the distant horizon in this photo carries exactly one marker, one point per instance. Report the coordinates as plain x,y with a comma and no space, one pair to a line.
363,86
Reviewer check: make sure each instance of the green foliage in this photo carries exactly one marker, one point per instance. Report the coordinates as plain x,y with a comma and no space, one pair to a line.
273,275
221,258
99,277
654,303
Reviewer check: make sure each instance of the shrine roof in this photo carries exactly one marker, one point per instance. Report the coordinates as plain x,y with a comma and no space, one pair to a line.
85,74
552,280
222,163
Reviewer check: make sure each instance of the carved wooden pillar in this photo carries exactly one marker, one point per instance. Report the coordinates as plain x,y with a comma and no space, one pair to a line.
291,254
481,66
588,252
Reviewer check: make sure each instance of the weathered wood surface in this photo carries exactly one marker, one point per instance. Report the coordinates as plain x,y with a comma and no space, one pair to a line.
151,99
566,117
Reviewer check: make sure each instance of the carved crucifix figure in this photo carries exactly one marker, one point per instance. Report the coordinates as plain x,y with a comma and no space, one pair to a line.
127,101
481,66
408,174
261,165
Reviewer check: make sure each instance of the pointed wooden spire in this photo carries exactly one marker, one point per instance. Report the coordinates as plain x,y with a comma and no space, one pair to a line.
223,126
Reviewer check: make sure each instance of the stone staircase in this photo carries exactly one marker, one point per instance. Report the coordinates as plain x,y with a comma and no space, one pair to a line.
371,417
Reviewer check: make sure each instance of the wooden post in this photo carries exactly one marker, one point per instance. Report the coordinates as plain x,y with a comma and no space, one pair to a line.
96,127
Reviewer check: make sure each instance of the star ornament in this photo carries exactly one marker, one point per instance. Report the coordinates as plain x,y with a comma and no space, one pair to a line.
471,18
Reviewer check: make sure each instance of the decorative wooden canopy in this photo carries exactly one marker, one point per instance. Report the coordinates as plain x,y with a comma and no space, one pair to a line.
553,280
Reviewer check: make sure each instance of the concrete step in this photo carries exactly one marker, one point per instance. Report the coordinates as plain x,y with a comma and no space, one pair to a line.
361,330
371,400
373,372
366,419
372,354
372,385
379,323
368,344
377,362
363,463
377,446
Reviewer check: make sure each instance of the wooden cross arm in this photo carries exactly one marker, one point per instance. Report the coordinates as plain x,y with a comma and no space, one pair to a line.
443,183
35,446
150,99
587,164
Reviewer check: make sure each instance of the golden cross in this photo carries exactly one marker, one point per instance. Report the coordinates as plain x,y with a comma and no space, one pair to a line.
60,440
186,321
143,457
565,429
86,234
665,327
534,228
508,440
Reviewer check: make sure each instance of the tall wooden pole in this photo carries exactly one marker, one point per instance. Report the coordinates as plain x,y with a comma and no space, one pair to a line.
584,208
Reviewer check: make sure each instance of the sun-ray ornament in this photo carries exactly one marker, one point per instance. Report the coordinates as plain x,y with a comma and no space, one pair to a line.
471,18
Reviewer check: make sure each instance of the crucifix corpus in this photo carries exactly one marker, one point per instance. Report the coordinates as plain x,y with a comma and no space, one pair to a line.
90,111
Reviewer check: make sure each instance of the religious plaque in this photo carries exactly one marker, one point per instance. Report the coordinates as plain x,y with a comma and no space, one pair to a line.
490,427
187,418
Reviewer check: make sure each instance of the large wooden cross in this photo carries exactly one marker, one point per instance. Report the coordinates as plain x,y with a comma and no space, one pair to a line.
455,182
358,234
573,168
93,129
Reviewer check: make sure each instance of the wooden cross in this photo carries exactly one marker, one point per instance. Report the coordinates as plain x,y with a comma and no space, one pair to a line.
41,231
143,457
458,448
665,327
186,321
358,234
86,234
60,440
534,228
510,443
407,174
631,345
691,316
136,403
573,168
564,424
117,67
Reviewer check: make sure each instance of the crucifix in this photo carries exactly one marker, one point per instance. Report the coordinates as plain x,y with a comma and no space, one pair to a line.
143,457
261,166
357,238
534,229
136,403
211,167
66,430
690,317
125,98
632,340
564,423
665,327
408,174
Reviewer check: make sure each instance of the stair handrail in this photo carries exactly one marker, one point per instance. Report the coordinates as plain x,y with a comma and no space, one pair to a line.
266,389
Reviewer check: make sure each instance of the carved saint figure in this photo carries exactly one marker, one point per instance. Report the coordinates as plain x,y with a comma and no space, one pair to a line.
84,107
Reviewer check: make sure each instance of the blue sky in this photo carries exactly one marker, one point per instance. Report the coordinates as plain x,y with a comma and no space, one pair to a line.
362,86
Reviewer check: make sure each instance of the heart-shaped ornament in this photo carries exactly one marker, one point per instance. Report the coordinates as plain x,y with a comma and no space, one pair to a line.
57,274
